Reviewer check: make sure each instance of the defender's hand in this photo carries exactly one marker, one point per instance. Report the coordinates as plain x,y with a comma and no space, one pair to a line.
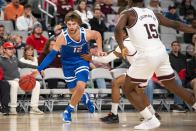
86,57
124,52
100,53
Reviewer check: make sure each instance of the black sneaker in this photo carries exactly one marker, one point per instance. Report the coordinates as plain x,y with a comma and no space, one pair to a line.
156,114
111,118
178,108
5,110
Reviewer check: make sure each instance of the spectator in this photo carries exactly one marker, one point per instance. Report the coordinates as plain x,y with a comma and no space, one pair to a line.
185,6
113,22
100,81
18,42
188,36
13,10
1,50
28,56
84,14
191,73
37,40
194,42
122,3
190,15
154,5
26,21
97,22
5,94
2,32
11,74
106,7
52,83
1,14
57,31
172,15
177,60
63,7
154,83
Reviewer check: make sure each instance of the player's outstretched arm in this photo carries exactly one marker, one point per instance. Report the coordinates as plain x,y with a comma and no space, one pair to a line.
95,35
174,24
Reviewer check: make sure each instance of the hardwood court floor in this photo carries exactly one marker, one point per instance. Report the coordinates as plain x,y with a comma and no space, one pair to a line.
83,122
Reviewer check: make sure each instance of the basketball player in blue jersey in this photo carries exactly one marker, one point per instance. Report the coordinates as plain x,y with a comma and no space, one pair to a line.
71,43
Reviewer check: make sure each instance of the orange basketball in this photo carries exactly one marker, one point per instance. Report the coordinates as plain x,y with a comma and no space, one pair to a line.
27,82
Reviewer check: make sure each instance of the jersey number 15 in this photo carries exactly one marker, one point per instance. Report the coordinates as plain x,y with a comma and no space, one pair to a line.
151,31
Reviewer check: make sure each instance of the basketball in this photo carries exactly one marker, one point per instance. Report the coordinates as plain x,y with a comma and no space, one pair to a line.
27,82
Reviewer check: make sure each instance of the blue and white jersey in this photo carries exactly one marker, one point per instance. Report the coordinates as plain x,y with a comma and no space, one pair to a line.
74,68
70,53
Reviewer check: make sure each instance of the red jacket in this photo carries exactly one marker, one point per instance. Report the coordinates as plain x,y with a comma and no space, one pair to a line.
1,74
37,43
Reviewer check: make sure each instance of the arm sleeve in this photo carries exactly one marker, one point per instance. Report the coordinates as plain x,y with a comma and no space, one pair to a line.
105,59
48,59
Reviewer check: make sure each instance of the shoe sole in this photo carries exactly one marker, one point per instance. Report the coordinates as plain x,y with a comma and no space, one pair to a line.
177,111
64,120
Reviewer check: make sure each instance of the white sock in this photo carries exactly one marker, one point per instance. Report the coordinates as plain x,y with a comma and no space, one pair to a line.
146,113
114,108
194,106
71,106
151,109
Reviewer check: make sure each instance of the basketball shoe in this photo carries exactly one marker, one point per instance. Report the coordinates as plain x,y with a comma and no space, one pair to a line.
111,118
148,124
86,101
67,114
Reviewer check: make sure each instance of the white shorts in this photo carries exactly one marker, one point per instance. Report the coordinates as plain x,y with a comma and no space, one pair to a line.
148,63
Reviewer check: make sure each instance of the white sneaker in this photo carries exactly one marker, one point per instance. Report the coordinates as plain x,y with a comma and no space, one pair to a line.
36,111
148,124
12,111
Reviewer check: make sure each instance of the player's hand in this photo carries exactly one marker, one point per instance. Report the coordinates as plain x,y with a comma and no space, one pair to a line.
34,73
100,53
86,57
124,52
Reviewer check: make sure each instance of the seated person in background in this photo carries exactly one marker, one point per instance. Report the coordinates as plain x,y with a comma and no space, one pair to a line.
188,36
106,7
185,6
3,36
18,42
4,94
28,56
57,31
171,14
154,5
189,17
191,74
84,14
154,83
37,40
52,83
176,58
26,21
100,81
12,75
97,22
63,7
13,10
